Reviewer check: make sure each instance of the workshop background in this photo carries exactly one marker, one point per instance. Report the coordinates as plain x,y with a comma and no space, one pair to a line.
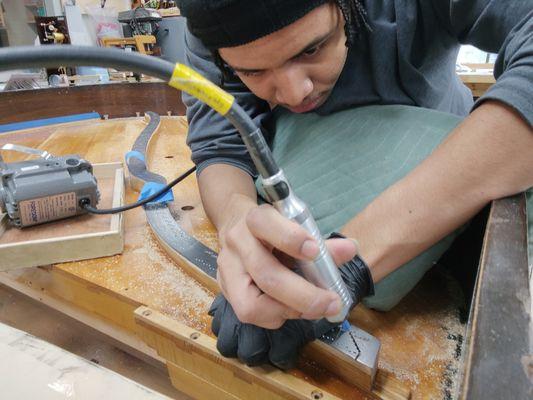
87,23
156,28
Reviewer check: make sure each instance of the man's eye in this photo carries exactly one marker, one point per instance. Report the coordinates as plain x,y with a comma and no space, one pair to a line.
312,51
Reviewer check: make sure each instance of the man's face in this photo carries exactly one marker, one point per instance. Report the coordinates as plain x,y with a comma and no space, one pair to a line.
297,66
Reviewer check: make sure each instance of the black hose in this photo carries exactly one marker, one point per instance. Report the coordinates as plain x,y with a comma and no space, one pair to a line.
84,203
20,57
61,55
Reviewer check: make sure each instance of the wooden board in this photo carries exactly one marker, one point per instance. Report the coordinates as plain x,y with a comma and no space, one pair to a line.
73,239
58,374
499,363
116,100
479,79
420,338
184,346
187,349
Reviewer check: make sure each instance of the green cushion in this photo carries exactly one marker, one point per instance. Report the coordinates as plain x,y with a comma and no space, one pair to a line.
339,163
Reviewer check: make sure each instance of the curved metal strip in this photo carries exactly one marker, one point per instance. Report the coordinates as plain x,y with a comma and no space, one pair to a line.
168,232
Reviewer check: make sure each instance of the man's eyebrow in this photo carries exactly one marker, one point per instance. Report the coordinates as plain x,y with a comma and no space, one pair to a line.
314,43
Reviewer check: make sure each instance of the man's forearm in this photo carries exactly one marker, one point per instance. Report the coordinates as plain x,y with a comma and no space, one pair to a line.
227,192
488,156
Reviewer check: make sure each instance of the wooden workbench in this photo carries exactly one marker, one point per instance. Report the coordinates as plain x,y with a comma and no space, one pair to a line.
421,338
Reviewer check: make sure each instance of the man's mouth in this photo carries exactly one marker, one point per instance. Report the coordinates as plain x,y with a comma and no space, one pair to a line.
308,105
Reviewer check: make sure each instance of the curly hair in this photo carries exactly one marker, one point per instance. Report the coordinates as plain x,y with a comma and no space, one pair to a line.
354,14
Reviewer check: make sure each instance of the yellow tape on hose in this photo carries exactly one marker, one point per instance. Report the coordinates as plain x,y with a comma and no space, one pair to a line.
190,81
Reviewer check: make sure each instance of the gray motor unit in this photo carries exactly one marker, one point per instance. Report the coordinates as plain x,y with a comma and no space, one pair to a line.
46,189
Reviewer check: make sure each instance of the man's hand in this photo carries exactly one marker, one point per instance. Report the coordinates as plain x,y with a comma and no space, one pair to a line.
254,269
254,345
257,248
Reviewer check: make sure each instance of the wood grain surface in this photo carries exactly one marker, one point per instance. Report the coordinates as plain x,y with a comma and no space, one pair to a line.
421,338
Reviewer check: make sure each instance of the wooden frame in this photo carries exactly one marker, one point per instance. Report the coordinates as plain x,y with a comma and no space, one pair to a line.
109,308
196,367
32,253
498,361
113,100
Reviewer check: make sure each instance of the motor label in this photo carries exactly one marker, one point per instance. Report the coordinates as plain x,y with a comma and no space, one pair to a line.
49,208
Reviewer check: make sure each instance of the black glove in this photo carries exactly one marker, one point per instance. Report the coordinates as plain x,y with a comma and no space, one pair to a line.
254,345
356,275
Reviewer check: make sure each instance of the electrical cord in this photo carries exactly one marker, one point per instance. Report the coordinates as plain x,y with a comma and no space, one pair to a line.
85,203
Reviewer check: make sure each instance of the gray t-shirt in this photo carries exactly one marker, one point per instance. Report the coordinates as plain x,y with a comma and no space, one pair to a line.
408,58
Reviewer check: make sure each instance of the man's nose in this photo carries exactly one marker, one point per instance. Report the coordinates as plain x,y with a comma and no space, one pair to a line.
293,85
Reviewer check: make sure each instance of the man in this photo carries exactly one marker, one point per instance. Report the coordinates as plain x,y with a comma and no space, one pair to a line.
314,63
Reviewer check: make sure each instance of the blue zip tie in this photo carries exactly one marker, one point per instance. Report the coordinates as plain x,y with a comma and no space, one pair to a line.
135,154
150,188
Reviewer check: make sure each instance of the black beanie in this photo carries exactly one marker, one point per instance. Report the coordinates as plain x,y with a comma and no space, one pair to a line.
229,23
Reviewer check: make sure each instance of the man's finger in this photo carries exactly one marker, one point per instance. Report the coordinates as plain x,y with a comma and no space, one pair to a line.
253,306
268,225
342,250
287,287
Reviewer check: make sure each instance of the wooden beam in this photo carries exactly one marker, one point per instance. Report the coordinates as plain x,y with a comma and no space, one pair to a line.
186,348
114,100
498,359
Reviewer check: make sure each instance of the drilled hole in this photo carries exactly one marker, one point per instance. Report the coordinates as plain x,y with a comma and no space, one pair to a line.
169,156
194,335
316,394
187,208
147,313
